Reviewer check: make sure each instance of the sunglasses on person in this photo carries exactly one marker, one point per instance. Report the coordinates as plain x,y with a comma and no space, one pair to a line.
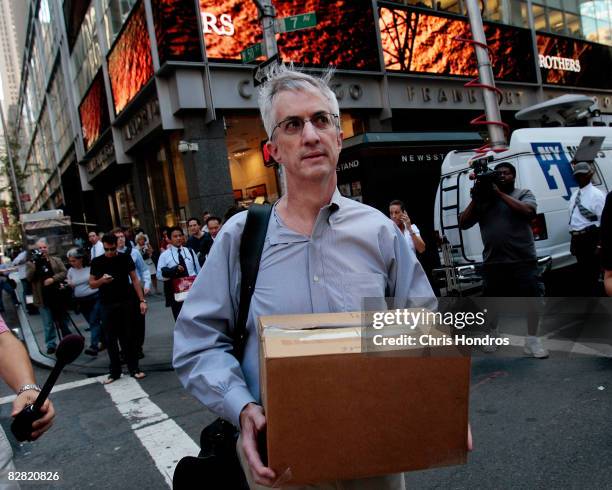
110,249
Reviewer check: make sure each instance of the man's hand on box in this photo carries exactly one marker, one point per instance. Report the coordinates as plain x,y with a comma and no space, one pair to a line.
252,422
470,443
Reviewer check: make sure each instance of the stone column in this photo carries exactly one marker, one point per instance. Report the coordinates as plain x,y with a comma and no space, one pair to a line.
207,171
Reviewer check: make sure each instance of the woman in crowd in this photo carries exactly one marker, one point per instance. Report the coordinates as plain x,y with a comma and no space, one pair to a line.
86,298
145,249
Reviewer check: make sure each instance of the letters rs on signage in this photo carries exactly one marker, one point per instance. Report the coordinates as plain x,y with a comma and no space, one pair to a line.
222,26
558,63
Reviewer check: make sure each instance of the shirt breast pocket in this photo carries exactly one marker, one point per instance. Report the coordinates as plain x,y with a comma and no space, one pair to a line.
359,285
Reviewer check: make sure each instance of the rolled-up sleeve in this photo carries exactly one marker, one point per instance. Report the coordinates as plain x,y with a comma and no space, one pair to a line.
202,336
407,281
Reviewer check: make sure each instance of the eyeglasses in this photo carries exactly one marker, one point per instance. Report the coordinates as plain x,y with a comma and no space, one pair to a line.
110,249
322,121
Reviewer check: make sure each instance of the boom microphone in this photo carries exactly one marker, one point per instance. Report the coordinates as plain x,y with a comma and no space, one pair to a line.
67,351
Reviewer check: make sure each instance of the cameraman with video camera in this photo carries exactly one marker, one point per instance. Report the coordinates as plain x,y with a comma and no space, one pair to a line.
47,275
504,214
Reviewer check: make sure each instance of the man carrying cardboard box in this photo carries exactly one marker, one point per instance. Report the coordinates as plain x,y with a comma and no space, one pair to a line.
323,253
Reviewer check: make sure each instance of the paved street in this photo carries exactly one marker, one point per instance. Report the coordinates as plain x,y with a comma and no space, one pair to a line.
536,424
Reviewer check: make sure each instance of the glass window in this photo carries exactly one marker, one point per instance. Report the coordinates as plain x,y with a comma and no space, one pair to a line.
115,13
518,13
86,57
58,101
571,6
572,24
555,21
47,140
604,30
454,6
554,3
46,31
589,28
539,17
493,10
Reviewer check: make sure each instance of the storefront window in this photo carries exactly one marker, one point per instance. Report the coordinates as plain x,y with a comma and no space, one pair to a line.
572,22
493,10
251,179
167,184
539,18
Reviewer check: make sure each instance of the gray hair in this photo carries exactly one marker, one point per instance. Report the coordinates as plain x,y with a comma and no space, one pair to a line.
282,78
75,252
42,240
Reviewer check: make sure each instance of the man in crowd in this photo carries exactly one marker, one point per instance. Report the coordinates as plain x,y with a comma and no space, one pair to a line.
510,261
96,244
112,273
174,263
323,253
586,205
16,370
144,276
214,225
47,274
397,212
197,238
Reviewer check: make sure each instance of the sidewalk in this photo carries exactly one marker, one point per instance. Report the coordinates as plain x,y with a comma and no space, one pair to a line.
157,346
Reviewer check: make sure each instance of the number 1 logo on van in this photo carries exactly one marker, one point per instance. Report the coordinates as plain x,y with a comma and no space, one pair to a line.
555,166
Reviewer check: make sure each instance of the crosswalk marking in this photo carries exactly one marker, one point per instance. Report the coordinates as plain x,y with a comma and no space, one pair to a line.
163,439
62,387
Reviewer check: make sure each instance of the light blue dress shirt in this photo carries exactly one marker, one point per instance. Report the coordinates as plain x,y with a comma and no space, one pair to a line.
354,252
143,272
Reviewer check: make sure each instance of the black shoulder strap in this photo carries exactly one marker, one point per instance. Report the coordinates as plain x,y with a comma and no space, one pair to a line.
251,246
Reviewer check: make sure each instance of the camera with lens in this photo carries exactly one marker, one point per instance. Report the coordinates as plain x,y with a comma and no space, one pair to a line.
485,177
41,264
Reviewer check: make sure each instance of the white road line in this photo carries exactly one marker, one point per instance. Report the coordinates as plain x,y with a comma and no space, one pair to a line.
164,440
62,387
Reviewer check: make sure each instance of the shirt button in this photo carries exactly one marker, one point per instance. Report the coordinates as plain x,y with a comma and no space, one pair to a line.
316,278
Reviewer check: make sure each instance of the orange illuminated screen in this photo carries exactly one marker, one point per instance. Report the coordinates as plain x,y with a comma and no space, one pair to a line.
176,30
94,112
130,65
575,63
345,34
414,41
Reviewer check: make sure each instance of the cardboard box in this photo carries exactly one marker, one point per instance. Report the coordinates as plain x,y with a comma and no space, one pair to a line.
335,413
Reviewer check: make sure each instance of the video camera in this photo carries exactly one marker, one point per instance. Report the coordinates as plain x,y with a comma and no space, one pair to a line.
482,172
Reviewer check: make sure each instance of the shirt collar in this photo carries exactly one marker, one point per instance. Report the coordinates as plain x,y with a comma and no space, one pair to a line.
278,232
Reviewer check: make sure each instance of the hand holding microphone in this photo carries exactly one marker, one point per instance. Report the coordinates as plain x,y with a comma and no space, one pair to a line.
35,418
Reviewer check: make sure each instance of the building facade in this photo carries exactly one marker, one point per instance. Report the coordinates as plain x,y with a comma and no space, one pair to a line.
140,112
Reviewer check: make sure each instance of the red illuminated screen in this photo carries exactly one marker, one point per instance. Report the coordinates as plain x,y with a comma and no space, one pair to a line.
94,112
176,30
575,63
344,36
130,65
414,41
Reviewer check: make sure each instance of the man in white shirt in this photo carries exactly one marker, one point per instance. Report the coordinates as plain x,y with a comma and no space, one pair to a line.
586,206
96,245
397,213
175,262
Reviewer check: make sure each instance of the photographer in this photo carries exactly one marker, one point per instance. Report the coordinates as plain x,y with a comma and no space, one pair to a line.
510,261
47,275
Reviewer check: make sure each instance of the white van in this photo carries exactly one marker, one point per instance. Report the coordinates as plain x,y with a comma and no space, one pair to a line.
542,159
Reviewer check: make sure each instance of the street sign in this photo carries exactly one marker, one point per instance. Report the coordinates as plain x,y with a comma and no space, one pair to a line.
251,53
296,22
261,73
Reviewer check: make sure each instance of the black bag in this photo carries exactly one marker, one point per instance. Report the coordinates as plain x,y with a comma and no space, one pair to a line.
217,466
